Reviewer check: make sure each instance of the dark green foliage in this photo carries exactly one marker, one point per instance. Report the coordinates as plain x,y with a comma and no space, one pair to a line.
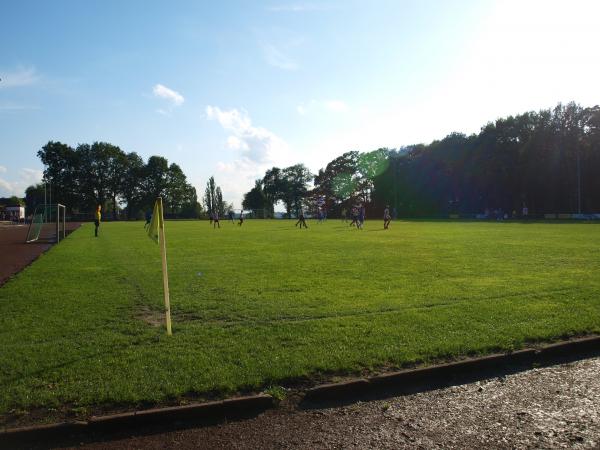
547,161
210,194
542,160
103,174
213,199
255,198
273,187
14,200
295,186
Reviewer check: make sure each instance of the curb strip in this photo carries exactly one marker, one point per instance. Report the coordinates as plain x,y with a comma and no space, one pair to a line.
404,380
229,407
407,380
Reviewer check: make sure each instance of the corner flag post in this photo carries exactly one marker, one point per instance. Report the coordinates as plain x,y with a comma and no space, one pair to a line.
163,255
156,232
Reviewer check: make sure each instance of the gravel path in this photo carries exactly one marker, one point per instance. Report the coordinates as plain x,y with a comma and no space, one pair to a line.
551,407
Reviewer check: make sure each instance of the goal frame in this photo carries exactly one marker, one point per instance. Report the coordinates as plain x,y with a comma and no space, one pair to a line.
60,220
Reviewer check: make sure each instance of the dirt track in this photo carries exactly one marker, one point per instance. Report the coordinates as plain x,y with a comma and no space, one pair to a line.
15,254
549,407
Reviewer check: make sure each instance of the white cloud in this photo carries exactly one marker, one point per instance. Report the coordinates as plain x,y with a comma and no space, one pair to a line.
256,144
6,188
237,177
174,97
31,176
236,143
255,150
26,177
276,58
21,76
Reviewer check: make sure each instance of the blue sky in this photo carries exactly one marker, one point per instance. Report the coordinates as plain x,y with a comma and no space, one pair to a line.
232,88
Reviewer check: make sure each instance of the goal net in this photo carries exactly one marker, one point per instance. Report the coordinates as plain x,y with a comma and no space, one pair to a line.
47,224
256,214
249,214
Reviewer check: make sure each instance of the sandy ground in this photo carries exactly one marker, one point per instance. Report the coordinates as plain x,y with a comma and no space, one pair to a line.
550,407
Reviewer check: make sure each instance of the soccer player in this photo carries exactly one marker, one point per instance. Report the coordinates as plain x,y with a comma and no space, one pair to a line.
241,222
148,219
231,216
301,220
216,220
386,217
354,215
361,217
97,219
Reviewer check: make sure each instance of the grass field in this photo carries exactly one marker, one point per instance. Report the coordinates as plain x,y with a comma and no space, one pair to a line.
266,304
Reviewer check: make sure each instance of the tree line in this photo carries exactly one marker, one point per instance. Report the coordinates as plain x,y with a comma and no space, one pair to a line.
103,174
546,160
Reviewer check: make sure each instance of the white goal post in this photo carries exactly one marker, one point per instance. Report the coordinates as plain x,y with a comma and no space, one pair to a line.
47,224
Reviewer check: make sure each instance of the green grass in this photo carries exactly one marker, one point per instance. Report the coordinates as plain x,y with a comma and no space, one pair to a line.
265,304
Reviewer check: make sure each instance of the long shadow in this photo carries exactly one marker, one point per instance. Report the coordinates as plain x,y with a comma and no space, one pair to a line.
440,380
70,436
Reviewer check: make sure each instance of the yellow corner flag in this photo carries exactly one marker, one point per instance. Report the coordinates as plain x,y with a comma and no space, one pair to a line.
153,229
156,232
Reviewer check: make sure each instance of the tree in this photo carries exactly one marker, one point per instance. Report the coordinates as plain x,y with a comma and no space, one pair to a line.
131,184
337,182
368,166
177,189
155,180
213,198
255,198
210,194
102,173
220,205
295,186
273,187
116,167
61,164
16,201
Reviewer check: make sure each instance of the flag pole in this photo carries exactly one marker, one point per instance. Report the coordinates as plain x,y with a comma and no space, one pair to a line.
163,255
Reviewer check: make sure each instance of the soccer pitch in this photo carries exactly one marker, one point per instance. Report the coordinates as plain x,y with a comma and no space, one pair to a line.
268,304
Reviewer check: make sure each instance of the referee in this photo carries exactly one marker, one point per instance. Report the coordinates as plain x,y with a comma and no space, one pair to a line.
97,218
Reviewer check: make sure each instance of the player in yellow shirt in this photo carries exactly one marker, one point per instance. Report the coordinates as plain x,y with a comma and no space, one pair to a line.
97,218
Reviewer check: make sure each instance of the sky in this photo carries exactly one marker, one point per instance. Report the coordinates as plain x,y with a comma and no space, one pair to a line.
233,88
